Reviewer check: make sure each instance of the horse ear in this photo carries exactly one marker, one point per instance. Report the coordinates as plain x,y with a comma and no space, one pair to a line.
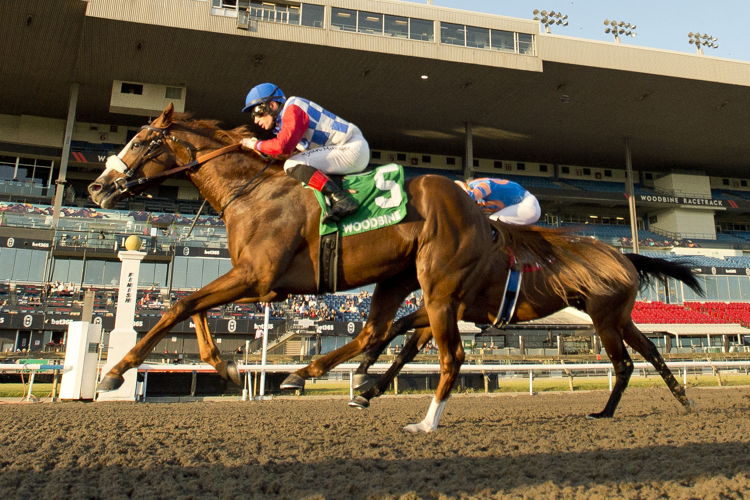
165,119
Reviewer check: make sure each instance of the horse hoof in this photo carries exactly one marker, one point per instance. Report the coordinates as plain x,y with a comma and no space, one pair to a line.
597,416
690,406
233,374
293,382
419,428
363,381
110,383
359,402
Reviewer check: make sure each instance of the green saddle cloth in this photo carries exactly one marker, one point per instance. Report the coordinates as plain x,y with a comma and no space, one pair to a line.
381,198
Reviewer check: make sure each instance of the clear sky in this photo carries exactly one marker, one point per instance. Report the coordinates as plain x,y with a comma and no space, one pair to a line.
661,24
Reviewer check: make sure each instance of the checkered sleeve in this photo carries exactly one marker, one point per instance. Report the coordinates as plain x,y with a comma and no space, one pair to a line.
294,124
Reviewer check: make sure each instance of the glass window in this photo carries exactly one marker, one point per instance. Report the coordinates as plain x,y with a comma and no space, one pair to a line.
312,15
111,274
397,26
194,276
452,34
180,272
422,29
225,265
503,40
477,37
293,14
711,286
370,22
744,283
344,19
210,271
94,273
7,260
734,287
722,287
525,43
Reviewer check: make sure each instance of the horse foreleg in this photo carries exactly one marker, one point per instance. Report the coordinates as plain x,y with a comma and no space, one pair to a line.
209,352
445,331
638,341
386,299
623,365
226,288
420,337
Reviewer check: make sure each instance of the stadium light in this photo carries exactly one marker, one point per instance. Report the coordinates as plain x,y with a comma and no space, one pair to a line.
550,18
617,28
702,40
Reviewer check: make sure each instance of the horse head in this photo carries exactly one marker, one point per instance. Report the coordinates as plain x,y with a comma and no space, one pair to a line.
149,156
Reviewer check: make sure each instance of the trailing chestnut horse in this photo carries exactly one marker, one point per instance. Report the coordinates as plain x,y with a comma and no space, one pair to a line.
573,271
272,228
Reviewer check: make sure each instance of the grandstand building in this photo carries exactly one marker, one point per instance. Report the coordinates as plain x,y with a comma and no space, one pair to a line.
645,149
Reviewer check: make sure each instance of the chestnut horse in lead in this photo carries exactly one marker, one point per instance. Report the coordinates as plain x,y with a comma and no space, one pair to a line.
272,228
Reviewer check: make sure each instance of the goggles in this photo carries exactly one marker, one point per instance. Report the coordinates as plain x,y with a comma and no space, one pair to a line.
260,110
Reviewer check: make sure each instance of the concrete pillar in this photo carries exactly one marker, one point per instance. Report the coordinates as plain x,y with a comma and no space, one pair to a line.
469,158
667,344
560,349
522,345
630,192
62,176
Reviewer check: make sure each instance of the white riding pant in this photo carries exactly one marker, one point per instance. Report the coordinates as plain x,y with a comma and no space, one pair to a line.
351,157
527,211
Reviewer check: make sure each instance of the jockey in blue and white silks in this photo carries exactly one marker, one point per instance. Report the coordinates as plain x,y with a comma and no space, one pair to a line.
503,200
318,142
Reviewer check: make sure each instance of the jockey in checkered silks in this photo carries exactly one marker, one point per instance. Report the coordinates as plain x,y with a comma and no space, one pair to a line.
316,141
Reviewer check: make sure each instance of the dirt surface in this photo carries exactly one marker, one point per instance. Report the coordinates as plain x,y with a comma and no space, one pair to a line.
502,446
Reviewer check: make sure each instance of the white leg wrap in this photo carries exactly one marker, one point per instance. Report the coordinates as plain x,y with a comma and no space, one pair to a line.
431,420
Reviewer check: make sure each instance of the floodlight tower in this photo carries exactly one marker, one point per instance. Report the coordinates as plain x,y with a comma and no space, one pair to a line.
702,40
617,28
550,18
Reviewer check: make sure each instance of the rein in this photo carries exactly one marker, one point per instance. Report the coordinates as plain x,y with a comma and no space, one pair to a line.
199,160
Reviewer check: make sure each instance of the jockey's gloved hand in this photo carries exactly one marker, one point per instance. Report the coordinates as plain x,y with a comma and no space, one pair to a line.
249,143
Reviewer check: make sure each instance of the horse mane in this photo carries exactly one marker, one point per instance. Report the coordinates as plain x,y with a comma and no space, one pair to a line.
212,129
572,264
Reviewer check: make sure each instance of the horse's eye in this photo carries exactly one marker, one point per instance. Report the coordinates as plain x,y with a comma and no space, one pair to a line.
136,145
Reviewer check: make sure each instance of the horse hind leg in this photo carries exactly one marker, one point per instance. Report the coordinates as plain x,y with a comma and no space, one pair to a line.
638,341
623,365
362,380
209,352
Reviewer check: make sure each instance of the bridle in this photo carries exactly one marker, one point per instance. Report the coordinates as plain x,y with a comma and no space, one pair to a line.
156,147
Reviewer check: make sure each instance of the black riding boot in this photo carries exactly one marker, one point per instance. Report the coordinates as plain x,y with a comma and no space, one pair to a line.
342,203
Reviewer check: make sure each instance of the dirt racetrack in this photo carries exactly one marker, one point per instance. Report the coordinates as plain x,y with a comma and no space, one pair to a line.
488,447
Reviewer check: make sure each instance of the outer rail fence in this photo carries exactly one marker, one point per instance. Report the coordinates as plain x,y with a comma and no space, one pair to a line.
378,368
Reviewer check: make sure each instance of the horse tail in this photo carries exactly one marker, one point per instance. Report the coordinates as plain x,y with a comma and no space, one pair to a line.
650,267
573,265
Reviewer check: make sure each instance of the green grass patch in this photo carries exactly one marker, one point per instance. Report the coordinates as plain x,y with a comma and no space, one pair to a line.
18,390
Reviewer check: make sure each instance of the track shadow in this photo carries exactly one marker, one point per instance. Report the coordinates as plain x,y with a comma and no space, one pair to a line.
383,478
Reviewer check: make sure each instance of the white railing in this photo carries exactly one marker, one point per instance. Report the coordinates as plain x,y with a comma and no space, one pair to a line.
431,368
412,368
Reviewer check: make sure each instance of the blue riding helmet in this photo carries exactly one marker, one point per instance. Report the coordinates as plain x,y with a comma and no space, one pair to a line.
263,94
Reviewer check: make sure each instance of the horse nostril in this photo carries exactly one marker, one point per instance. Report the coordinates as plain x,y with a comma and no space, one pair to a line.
94,187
